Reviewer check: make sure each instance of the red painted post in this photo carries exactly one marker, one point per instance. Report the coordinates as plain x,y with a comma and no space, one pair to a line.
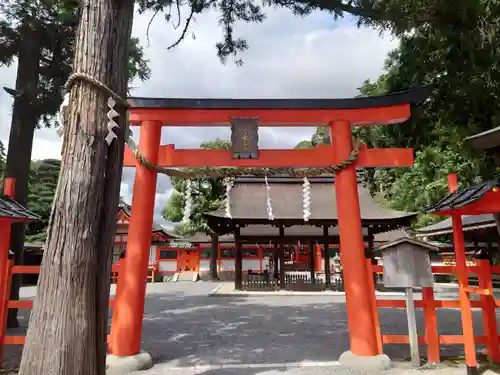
4,305
430,321
376,321
463,282
318,262
362,331
489,310
129,306
5,264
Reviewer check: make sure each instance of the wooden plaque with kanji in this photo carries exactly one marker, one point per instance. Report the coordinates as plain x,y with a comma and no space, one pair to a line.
245,138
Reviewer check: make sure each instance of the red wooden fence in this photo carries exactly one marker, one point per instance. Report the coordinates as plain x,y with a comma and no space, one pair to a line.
431,338
428,303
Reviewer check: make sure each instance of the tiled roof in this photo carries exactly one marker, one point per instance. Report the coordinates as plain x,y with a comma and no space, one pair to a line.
469,222
463,197
157,228
10,209
248,201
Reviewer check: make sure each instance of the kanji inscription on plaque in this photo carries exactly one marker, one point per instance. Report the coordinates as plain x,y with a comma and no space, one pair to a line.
245,138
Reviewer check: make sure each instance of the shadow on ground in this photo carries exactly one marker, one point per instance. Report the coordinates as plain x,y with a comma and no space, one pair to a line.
184,327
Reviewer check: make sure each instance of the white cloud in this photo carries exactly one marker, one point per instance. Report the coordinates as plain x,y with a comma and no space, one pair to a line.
288,57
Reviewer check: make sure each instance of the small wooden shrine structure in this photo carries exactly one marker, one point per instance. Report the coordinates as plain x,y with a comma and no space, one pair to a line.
245,116
250,223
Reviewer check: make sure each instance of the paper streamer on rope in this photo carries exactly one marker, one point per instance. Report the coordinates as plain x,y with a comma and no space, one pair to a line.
60,115
270,215
306,201
229,185
112,124
188,201
112,114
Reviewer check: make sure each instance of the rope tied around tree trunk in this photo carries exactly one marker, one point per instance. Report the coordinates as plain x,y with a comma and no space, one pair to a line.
74,77
114,98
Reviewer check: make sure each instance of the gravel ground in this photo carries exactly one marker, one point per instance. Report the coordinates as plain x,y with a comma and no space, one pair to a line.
183,328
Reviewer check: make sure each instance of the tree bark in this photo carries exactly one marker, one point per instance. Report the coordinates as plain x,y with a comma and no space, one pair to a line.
67,331
22,130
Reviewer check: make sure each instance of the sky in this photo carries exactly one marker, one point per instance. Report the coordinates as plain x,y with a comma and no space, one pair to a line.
288,57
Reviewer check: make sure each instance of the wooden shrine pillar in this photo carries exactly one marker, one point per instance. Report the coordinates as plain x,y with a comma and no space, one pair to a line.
359,293
282,257
238,261
318,262
214,253
370,254
326,254
126,330
312,256
275,261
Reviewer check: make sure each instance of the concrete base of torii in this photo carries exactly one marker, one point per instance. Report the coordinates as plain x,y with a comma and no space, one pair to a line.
124,365
351,361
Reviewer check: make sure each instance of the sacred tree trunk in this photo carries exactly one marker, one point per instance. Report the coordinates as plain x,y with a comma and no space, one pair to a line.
22,130
67,331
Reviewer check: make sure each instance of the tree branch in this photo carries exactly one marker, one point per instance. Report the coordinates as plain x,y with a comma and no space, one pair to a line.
184,31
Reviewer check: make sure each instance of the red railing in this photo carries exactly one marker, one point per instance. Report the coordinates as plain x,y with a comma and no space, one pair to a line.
22,303
428,303
432,339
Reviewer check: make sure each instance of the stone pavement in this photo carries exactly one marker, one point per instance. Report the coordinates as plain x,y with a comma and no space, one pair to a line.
309,369
246,335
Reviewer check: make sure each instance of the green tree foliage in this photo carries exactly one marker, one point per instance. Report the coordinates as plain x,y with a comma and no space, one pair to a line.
42,187
464,71
304,144
54,23
398,16
207,194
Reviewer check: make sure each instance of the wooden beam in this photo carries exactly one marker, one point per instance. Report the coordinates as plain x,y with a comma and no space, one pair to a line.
238,263
272,117
283,242
322,156
311,262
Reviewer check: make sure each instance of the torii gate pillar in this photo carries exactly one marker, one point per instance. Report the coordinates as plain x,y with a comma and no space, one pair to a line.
361,322
126,331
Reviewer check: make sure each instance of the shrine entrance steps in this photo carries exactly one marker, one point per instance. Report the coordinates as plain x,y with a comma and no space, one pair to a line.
186,276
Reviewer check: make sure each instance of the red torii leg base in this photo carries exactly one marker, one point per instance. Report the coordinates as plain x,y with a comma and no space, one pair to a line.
128,311
364,353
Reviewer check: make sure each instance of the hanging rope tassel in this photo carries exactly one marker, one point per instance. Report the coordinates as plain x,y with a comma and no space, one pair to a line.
306,199
188,205
229,185
270,215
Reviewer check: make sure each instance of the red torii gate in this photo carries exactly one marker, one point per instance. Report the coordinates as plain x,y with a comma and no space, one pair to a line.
339,114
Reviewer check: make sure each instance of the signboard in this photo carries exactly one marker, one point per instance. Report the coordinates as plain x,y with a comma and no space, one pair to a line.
245,138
